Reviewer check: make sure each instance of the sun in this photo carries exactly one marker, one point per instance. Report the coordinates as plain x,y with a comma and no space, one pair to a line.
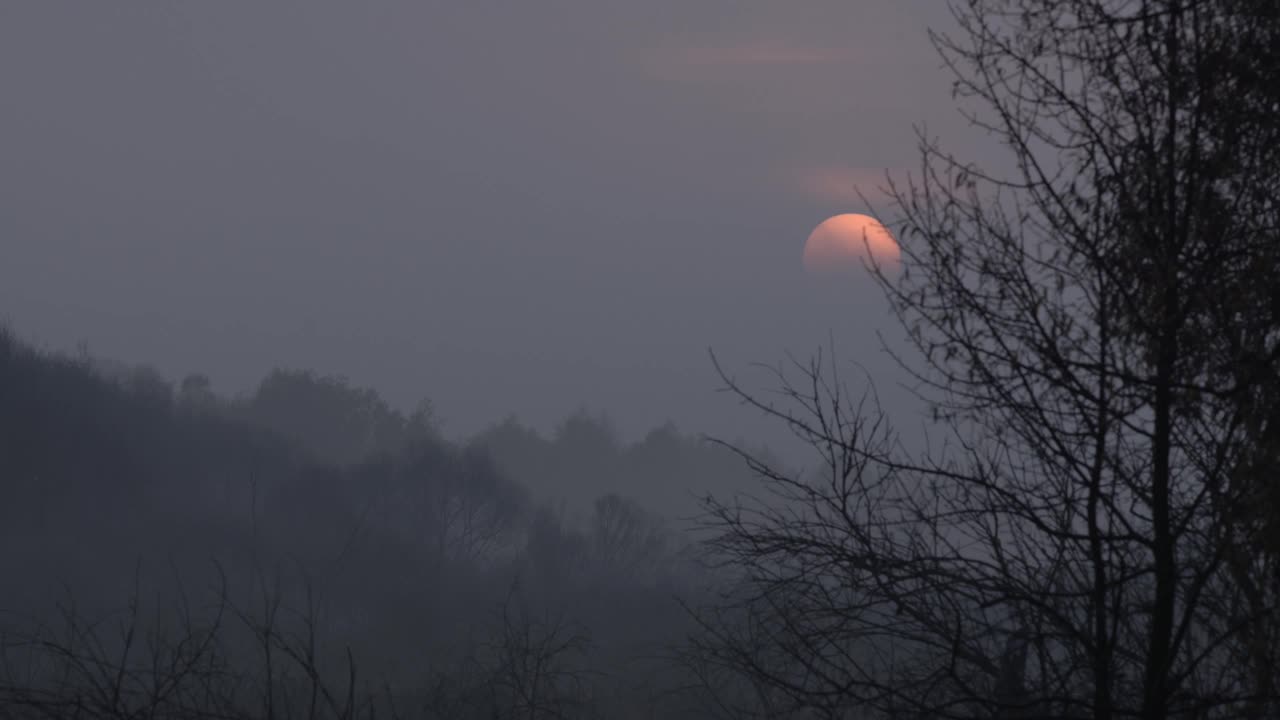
844,242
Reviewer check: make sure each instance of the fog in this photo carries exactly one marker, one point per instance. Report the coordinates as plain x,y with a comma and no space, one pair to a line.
400,315
508,210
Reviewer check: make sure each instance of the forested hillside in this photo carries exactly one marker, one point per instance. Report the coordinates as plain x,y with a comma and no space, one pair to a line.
317,498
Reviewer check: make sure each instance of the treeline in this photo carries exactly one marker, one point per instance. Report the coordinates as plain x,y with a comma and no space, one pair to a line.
421,556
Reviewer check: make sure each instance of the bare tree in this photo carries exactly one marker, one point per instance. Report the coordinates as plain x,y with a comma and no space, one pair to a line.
1098,338
174,659
529,667
627,540
535,666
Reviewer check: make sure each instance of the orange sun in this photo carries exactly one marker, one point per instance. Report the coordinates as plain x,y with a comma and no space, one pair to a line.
843,242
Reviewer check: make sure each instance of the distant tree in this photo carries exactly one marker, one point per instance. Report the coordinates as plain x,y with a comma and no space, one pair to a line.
452,503
535,666
148,385
476,508
666,472
587,452
196,392
423,423
336,421
627,540
553,549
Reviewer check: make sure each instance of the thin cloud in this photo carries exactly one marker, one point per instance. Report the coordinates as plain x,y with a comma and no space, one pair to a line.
753,55
840,183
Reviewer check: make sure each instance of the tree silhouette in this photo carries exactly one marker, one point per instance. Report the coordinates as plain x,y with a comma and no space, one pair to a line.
1095,336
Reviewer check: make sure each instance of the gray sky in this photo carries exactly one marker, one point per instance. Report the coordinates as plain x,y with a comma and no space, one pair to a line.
508,207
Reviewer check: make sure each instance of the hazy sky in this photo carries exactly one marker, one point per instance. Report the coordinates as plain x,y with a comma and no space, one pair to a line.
508,207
